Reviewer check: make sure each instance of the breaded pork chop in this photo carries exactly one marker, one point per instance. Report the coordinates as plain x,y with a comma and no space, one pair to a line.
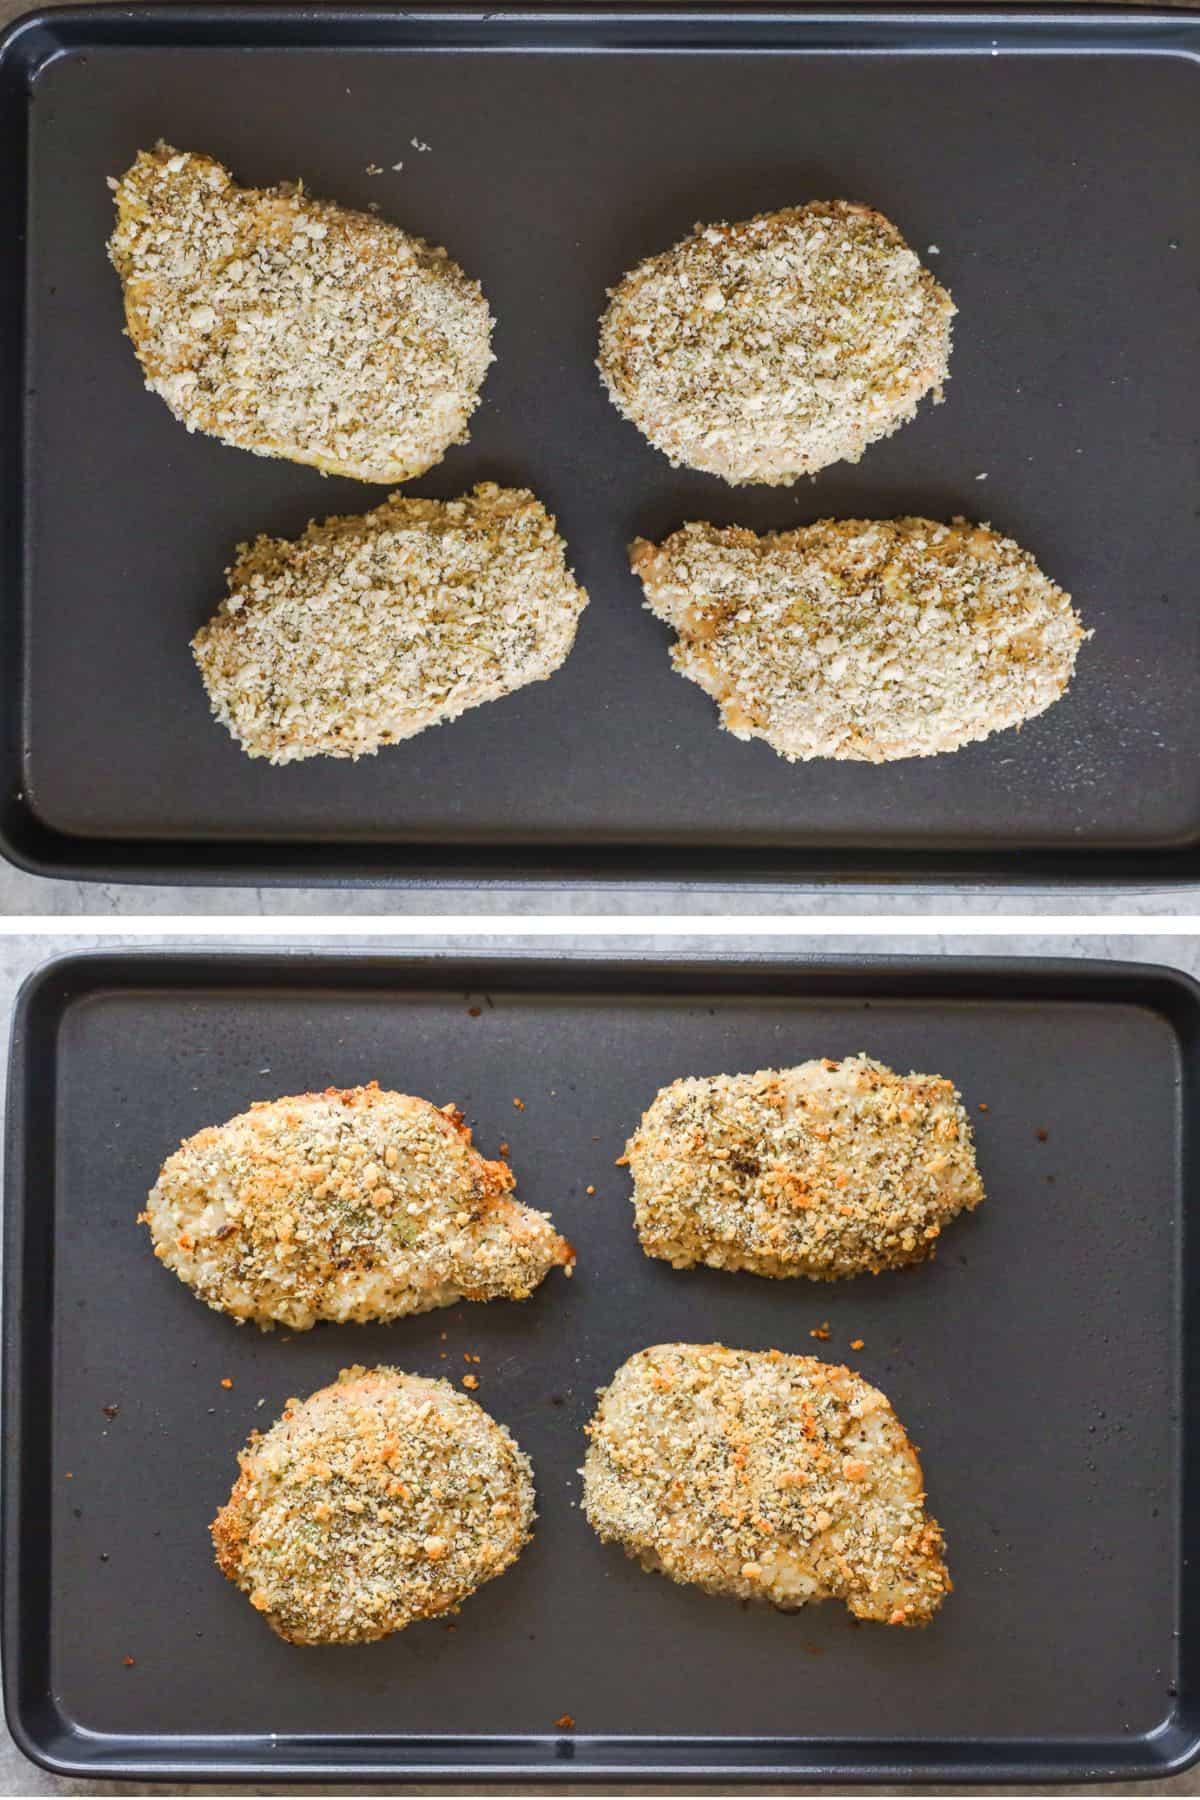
294,327
826,1170
369,629
349,1205
766,1477
380,1500
765,350
863,640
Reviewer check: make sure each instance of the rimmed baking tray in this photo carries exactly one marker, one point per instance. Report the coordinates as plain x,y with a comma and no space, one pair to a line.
1052,158
1046,1364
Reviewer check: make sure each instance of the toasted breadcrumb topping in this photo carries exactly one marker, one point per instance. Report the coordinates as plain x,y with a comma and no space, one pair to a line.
294,327
350,1205
371,628
766,1477
765,350
826,1170
380,1500
863,640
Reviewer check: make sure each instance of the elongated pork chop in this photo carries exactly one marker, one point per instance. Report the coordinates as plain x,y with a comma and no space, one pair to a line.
353,1204
863,640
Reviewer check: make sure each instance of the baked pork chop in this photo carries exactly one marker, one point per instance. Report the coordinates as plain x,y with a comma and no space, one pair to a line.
378,1501
765,1477
350,1205
826,1170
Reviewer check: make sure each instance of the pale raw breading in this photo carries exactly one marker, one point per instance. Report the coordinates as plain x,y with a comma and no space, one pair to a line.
368,629
378,1501
765,350
764,1477
826,1170
864,640
349,1205
294,327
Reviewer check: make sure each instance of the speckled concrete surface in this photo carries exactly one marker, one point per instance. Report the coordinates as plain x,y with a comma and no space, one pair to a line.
24,895
20,954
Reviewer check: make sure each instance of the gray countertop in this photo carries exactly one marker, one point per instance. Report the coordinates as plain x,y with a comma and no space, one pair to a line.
29,896
21,954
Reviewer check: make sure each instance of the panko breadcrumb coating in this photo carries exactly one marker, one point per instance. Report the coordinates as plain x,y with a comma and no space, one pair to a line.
765,350
294,327
349,1205
370,628
380,1500
765,1477
827,1170
864,640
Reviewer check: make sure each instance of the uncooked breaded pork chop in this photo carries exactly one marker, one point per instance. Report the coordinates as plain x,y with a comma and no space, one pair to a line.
294,327
353,1204
380,1500
864,640
826,1170
764,350
369,629
765,1477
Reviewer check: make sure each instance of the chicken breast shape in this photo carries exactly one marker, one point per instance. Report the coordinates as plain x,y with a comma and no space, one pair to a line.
295,327
764,1477
826,1170
371,628
863,640
349,1205
379,1501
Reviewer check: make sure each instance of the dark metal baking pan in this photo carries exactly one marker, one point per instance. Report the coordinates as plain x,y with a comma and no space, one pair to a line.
1053,158
1046,1364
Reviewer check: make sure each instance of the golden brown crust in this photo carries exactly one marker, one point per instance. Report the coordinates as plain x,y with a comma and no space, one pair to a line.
827,1170
766,1477
764,350
350,1205
294,327
378,1501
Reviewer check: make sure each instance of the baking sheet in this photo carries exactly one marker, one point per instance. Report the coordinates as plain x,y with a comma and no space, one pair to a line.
1053,160
1040,1363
